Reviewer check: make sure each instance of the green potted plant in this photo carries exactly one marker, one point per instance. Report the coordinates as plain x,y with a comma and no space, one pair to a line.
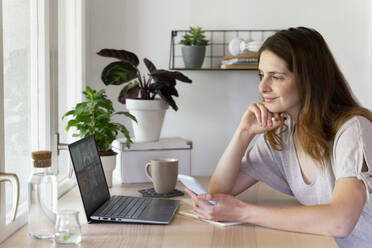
94,117
140,93
193,51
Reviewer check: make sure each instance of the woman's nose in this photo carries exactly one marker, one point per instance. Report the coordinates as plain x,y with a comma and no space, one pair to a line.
264,85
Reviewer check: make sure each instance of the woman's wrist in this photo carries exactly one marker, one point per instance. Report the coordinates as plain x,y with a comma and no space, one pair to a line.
244,134
247,213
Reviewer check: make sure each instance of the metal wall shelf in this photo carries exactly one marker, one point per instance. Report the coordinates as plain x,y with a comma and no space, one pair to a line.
216,49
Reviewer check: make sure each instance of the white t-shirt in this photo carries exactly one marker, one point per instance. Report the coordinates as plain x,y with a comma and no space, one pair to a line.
281,170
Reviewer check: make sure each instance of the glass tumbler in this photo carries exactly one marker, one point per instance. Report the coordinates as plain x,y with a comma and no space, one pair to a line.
68,229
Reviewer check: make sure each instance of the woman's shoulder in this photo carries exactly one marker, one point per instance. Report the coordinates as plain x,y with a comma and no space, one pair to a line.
357,126
357,121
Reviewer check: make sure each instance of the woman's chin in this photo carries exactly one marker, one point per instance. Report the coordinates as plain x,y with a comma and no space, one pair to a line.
274,109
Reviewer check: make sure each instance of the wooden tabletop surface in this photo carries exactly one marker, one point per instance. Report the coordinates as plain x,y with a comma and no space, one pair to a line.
183,231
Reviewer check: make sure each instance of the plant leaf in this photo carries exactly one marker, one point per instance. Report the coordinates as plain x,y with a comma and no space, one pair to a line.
164,76
194,37
158,86
169,76
172,91
130,90
71,112
118,73
168,98
122,55
181,77
71,123
125,131
150,66
94,117
129,115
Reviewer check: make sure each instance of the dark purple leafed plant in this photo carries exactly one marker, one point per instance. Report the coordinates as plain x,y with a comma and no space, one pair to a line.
125,71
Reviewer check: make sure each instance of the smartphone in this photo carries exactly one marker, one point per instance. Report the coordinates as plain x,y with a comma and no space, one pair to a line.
193,184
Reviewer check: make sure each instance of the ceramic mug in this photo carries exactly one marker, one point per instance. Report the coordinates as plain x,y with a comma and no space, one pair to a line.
163,174
13,179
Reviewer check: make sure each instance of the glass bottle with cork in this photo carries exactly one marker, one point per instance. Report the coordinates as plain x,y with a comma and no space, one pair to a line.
42,197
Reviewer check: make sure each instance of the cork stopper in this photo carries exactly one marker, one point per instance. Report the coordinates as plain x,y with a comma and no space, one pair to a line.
42,159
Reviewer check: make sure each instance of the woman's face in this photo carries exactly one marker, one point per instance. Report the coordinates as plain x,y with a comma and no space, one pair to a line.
277,85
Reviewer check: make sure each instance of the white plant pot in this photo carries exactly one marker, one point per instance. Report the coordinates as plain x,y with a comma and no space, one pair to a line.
150,115
108,164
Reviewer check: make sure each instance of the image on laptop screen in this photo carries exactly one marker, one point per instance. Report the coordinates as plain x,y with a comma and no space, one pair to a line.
89,173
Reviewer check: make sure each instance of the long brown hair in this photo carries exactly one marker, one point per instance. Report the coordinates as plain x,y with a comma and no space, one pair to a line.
326,101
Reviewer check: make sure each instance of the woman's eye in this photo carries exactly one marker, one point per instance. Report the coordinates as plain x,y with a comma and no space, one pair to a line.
277,78
260,76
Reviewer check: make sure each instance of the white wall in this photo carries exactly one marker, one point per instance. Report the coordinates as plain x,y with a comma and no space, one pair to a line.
210,108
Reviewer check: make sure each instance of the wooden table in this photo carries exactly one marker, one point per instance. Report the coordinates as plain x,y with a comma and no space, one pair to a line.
183,231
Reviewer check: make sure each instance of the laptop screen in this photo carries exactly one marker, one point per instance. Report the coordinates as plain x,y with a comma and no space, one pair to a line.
89,174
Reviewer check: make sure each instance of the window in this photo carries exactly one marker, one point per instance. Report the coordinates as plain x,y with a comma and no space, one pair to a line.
41,77
18,97
70,74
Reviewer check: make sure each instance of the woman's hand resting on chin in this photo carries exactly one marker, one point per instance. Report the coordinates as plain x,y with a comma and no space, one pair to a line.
258,119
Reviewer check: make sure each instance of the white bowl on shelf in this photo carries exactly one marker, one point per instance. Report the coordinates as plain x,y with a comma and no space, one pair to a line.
235,46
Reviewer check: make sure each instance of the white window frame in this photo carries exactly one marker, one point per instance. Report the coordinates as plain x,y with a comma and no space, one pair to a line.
44,76
76,80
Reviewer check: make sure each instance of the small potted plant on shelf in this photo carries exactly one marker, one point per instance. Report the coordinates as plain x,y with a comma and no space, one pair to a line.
94,117
193,51
140,93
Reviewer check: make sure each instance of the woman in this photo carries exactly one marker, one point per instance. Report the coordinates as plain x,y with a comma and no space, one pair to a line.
313,141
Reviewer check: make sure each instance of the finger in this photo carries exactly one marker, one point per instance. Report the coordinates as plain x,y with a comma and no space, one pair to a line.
269,119
192,195
204,204
263,114
276,117
283,116
197,203
257,113
278,120
205,213
200,213
203,196
208,197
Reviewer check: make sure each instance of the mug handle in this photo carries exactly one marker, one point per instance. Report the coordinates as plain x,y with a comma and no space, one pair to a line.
13,179
147,170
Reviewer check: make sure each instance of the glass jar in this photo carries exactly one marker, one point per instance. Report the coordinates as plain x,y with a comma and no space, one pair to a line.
68,229
42,197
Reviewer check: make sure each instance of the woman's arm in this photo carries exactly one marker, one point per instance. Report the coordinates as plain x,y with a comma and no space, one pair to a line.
257,119
243,182
337,218
227,170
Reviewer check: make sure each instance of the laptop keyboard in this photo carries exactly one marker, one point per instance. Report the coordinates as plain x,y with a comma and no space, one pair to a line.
126,207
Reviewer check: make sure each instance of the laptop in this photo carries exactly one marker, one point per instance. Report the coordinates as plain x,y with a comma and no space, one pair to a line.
99,205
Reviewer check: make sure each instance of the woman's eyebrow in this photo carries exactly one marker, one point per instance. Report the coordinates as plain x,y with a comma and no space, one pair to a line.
277,72
273,72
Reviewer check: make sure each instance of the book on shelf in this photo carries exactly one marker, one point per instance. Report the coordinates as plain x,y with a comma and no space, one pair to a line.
244,61
191,213
239,61
239,66
250,55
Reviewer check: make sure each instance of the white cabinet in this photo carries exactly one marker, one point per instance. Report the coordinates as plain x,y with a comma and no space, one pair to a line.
132,161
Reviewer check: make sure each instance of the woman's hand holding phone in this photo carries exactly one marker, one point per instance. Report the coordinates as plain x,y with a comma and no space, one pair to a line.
258,119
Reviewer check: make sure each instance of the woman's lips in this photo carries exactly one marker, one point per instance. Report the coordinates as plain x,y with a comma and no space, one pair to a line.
269,99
